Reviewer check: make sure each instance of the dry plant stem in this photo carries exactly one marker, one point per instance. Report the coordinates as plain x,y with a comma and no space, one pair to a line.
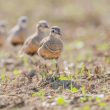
46,68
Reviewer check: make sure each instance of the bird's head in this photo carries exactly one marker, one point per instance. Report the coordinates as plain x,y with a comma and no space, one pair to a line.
56,31
2,26
22,21
42,25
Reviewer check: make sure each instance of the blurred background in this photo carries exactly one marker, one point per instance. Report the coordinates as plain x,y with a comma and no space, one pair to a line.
69,14
85,23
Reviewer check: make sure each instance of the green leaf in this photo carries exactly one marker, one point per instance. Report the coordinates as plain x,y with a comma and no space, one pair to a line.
83,99
87,107
83,91
34,95
16,73
74,90
61,101
3,77
41,93
102,104
65,77
98,99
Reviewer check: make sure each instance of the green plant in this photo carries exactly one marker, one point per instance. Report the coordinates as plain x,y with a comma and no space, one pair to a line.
103,47
16,73
83,99
102,104
40,94
83,91
61,101
82,69
98,99
74,90
3,77
89,74
86,107
25,61
65,77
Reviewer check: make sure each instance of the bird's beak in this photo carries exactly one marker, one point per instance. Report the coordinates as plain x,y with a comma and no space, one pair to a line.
46,26
60,33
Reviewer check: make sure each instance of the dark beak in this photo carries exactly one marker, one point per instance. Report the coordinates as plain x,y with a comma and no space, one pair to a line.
46,26
59,33
24,21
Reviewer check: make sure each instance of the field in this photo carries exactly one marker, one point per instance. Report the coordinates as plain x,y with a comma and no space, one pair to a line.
84,81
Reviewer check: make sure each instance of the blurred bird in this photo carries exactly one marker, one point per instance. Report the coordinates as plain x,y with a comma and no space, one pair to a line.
32,43
3,33
18,34
52,46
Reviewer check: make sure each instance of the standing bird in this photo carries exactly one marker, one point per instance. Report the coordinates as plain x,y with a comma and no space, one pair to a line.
3,33
52,46
18,34
32,43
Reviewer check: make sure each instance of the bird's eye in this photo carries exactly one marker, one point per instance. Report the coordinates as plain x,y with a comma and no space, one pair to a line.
41,25
2,26
53,30
23,21
46,26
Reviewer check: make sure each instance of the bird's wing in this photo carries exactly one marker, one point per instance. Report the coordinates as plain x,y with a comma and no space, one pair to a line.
26,44
55,44
28,41
13,30
43,41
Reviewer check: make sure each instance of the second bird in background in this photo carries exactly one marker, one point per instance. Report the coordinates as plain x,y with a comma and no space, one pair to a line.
18,34
3,33
32,43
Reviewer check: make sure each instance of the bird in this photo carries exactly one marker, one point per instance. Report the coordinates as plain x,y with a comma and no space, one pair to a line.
51,47
3,33
32,43
18,33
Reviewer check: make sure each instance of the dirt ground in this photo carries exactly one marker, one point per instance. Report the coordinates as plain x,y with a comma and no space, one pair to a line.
84,81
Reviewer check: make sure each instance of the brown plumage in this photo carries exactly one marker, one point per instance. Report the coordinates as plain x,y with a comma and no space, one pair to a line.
32,43
52,46
18,34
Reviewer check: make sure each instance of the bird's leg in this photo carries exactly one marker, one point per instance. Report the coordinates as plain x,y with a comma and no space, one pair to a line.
46,69
31,61
57,67
44,66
